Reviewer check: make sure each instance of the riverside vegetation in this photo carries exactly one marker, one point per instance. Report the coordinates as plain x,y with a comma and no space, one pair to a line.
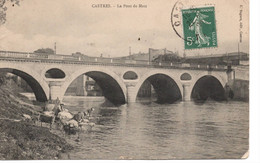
20,139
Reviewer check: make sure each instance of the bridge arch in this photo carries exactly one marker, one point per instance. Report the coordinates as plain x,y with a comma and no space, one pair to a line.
55,73
185,76
221,76
132,71
35,81
208,86
130,75
168,85
111,84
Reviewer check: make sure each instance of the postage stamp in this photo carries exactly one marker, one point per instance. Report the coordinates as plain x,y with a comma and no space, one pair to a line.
199,27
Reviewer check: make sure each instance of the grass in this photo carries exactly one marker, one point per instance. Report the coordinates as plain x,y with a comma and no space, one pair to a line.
20,140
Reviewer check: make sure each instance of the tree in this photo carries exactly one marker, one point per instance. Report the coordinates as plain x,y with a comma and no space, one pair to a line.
45,50
168,58
3,9
78,54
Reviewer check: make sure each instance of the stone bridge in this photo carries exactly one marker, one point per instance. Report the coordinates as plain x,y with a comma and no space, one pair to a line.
49,76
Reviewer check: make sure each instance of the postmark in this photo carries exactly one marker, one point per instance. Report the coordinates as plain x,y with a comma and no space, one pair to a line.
176,18
199,27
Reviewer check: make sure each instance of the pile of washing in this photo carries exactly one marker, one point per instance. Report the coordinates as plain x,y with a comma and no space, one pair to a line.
54,112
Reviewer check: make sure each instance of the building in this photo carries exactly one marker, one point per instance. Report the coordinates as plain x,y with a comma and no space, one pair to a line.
84,86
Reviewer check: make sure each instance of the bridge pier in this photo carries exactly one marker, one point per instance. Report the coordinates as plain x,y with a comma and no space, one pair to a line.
55,90
130,94
80,88
186,91
230,76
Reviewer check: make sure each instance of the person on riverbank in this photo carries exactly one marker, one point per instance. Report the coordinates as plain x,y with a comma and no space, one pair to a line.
80,116
89,112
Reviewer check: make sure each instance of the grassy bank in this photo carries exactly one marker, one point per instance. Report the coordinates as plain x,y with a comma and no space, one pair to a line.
20,139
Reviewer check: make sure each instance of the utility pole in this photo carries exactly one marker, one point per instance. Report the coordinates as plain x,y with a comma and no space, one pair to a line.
227,54
184,54
129,50
238,51
150,55
55,48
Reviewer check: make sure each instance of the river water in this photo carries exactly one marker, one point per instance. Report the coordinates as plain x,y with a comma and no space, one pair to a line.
148,130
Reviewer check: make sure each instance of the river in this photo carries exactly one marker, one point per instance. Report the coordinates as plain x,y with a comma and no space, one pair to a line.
148,130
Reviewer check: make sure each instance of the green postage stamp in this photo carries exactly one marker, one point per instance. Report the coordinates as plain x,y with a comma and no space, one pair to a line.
199,27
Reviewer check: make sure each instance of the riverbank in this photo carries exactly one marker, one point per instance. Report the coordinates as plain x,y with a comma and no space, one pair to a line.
21,140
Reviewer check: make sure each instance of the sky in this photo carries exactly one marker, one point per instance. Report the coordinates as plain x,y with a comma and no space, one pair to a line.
76,26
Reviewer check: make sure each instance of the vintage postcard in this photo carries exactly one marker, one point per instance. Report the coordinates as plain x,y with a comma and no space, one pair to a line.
124,79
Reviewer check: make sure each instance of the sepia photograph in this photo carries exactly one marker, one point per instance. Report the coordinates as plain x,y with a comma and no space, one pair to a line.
124,79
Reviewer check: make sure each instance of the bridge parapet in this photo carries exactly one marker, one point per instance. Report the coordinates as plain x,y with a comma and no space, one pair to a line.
69,59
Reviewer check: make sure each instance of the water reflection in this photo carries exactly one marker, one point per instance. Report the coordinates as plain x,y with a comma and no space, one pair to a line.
148,130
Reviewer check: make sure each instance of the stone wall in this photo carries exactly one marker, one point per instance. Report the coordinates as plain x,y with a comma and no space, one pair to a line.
241,90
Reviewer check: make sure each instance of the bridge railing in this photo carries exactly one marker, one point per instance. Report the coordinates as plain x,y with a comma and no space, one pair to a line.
12,54
102,60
